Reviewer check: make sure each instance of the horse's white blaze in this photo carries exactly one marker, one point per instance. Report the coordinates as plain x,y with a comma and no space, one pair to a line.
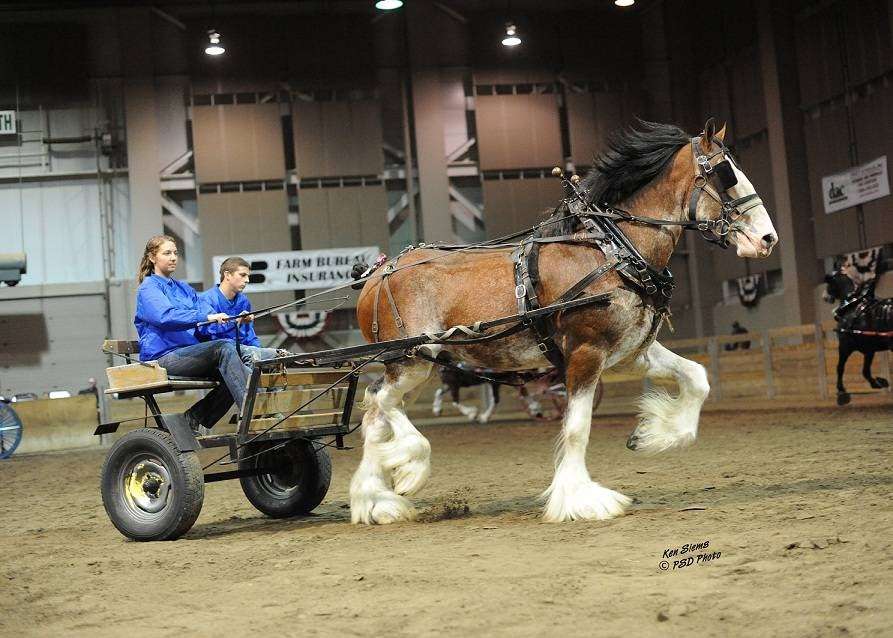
667,422
573,494
753,226
396,457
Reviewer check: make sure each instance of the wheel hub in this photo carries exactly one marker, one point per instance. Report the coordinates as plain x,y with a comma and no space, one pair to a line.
147,486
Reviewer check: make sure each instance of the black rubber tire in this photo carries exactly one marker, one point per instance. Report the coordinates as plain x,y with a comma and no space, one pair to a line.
186,491
300,480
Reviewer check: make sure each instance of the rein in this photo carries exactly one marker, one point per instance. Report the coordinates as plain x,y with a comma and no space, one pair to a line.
653,286
498,243
715,231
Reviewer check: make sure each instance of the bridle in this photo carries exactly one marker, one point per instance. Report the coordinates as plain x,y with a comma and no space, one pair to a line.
713,177
716,178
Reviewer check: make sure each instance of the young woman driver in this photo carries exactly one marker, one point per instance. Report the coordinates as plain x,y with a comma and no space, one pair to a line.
166,313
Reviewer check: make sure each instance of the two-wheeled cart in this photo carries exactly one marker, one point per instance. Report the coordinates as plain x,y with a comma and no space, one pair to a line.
152,480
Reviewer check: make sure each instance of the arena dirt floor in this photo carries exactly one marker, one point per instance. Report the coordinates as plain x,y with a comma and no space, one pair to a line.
795,506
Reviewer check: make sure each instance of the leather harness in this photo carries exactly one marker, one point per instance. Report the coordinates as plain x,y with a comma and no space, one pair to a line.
599,229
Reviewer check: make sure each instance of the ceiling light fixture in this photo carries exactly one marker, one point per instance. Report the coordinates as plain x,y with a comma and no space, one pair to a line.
215,47
511,38
624,3
388,5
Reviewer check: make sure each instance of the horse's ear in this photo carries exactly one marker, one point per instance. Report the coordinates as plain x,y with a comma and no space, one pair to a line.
707,137
721,133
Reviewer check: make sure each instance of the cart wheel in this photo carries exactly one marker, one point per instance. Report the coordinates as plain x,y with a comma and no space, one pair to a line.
150,490
10,431
297,479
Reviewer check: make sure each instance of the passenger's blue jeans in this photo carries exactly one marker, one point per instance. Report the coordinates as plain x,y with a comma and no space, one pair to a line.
213,359
250,354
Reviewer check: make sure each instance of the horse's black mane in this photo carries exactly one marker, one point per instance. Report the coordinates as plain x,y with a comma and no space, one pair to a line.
634,157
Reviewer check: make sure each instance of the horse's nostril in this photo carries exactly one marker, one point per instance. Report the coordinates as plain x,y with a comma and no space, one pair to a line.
769,240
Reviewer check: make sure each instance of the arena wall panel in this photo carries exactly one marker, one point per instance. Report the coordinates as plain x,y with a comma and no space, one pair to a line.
818,57
746,82
869,47
504,75
238,142
51,343
874,134
62,228
337,138
332,48
593,117
826,151
518,131
513,204
204,85
341,217
239,223
715,100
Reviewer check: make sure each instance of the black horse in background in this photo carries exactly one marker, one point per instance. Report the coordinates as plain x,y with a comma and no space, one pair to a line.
864,323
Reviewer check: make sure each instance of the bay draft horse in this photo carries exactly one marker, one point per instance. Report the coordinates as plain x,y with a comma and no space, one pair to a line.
651,170
864,324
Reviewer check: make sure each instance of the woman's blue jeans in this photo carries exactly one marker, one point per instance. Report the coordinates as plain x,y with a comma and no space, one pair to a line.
216,360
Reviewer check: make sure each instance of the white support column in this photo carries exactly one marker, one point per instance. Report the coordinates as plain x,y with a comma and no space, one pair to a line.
437,223
142,161
785,132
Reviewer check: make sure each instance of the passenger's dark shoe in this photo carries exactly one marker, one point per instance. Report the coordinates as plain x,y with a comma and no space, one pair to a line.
195,425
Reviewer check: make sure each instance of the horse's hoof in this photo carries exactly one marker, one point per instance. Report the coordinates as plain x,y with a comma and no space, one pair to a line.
843,398
881,382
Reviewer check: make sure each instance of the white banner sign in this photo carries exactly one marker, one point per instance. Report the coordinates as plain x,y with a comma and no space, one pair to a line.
302,269
856,186
7,122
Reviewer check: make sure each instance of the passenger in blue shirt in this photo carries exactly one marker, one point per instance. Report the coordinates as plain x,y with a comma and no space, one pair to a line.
167,311
228,298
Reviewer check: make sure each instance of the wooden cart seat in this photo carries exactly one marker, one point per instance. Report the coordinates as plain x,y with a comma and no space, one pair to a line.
140,377
148,375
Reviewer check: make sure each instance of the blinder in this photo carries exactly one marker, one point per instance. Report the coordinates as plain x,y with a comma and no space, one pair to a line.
725,174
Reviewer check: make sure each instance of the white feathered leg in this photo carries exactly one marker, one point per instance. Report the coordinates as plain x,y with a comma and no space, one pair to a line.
488,400
667,422
468,411
573,494
437,402
396,457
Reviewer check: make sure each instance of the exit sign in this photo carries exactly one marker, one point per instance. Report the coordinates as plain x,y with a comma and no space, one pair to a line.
7,122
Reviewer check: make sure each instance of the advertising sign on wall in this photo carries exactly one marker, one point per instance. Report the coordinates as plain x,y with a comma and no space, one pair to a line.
7,122
856,186
302,269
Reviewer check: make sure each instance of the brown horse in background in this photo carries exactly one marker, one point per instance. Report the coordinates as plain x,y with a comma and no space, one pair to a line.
650,171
